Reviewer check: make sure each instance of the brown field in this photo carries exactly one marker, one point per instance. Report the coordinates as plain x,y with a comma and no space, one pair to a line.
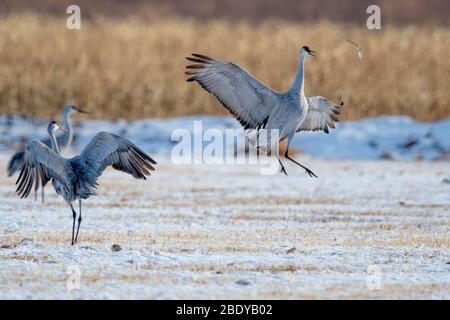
129,68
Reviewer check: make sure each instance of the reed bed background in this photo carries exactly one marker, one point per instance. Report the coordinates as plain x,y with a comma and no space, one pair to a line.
128,68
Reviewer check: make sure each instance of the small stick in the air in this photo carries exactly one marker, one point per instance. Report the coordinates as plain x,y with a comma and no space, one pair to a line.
359,50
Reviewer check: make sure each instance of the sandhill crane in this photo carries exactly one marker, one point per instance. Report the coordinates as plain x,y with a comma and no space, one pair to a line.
256,106
64,140
76,178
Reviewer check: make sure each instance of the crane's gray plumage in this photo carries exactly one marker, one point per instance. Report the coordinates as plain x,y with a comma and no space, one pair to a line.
15,163
76,178
321,115
256,106
63,140
249,100
40,165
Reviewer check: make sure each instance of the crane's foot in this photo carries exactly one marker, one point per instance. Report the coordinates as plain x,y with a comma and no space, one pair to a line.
311,174
283,170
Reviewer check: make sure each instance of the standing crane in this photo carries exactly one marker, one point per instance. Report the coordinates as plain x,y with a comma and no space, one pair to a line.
256,106
76,178
64,140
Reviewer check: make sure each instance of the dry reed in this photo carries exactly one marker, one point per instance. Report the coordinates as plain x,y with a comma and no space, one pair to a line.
132,69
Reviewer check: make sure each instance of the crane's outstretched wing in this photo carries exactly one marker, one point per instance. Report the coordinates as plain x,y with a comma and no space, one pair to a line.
322,114
249,100
107,149
41,164
15,163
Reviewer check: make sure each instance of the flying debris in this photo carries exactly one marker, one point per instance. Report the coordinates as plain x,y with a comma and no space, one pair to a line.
359,50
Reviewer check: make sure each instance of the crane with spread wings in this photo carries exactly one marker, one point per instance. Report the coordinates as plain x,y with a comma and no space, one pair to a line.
76,178
256,106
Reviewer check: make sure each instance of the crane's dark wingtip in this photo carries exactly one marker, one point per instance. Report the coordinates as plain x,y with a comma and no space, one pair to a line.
202,56
198,60
195,66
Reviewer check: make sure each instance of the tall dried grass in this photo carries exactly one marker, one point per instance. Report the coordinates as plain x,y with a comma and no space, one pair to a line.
133,69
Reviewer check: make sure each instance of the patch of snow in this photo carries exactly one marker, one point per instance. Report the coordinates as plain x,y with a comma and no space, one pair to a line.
388,137
187,233
11,228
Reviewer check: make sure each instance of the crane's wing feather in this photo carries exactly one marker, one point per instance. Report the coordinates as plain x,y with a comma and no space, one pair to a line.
15,163
249,100
41,164
107,149
321,115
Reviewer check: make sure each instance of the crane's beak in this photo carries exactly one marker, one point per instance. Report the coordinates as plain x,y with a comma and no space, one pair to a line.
312,53
81,110
63,129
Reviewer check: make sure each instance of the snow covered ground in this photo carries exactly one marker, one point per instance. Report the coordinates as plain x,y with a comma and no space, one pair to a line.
365,229
395,137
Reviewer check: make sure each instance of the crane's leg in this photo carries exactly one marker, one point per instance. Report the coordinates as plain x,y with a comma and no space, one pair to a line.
79,221
42,195
270,146
35,195
74,215
283,170
286,155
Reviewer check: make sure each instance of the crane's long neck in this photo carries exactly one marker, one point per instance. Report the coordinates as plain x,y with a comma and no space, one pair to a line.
297,88
55,147
67,136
